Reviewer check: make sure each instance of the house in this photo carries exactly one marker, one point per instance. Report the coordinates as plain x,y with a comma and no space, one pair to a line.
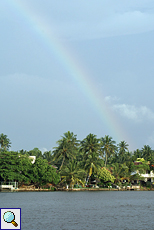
147,175
33,158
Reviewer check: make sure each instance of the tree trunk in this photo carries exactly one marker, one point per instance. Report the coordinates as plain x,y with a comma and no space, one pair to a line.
105,159
62,163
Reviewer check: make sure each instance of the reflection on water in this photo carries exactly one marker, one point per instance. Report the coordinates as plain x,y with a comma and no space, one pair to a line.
83,210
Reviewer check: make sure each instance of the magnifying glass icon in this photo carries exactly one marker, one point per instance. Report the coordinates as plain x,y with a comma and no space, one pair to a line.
9,217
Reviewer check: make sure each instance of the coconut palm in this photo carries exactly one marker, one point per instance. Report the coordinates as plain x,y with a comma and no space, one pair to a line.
137,154
48,156
72,173
23,152
90,147
35,152
147,152
70,137
93,164
120,171
108,147
4,142
123,147
123,153
66,149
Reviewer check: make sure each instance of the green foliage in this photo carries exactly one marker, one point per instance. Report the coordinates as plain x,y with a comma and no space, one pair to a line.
151,165
140,160
142,167
72,173
23,152
108,147
35,152
76,161
67,148
105,175
93,163
123,153
44,173
90,145
48,156
147,153
136,176
4,142
16,167
120,171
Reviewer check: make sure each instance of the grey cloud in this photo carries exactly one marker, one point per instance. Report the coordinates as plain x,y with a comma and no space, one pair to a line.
132,22
81,20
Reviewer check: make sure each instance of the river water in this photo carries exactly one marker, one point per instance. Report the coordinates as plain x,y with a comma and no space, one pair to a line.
90,210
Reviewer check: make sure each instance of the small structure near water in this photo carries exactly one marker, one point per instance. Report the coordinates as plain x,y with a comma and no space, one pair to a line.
8,186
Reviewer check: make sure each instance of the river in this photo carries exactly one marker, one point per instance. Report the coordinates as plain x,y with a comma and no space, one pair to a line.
83,210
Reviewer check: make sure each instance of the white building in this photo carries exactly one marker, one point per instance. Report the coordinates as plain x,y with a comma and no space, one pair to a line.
147,175
33,158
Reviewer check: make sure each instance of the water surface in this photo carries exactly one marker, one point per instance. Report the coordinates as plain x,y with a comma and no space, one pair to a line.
83,210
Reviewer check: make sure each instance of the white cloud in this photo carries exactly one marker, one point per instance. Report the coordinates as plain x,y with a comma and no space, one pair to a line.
138,114
111,99
131,112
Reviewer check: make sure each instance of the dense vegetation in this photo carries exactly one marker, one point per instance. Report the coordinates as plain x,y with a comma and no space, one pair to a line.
74,162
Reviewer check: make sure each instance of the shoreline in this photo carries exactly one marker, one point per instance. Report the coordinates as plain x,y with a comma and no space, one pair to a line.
72,190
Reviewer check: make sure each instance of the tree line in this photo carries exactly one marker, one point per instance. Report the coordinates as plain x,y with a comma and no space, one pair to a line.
75,161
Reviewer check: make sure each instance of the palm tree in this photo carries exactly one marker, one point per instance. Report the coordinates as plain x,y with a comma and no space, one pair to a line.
93,164
90,147
67,148
108,147
147,152
48,156
72,173
35,152
70,138
23,152
123,146
90,144
137,154
123,153
4,142
120,171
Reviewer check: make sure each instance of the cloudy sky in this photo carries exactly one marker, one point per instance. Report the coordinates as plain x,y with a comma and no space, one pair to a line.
79,66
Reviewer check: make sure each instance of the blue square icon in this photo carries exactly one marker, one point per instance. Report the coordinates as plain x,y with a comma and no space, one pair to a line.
10,218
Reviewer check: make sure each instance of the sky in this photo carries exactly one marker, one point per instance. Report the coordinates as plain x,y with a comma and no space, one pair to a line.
79,66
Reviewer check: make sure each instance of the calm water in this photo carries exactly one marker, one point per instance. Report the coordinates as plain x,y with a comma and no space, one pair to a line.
83,210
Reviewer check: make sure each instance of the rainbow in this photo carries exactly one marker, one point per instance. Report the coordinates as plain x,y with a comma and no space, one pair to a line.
77,72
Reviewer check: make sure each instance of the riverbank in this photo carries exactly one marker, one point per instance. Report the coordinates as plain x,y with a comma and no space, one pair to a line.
78,189
50,188
64,189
